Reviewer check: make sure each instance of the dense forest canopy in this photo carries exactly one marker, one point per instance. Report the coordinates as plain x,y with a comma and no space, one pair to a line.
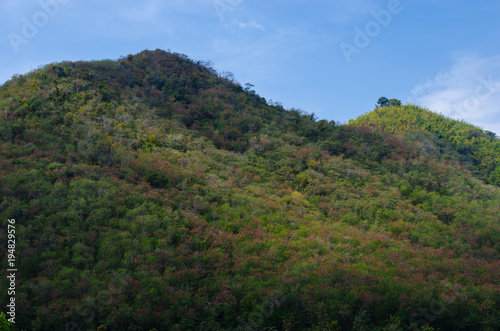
152,192
474,148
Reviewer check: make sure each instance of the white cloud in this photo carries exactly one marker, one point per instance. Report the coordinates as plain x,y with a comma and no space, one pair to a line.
469,90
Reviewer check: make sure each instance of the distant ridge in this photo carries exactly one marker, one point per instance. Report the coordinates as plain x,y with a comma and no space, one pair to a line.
478,149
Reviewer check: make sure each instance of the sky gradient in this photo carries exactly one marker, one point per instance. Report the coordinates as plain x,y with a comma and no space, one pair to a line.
334,58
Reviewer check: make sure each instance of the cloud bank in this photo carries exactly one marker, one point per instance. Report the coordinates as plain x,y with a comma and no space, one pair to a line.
469,90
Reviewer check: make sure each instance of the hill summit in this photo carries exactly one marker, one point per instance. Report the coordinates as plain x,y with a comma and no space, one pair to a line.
152,192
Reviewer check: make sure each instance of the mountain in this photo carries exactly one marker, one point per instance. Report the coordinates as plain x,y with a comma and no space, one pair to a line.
152,192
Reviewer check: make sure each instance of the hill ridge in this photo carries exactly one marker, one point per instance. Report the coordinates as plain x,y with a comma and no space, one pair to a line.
478,149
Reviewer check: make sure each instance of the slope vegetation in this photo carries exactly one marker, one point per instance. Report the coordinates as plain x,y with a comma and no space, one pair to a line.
151,192
474,148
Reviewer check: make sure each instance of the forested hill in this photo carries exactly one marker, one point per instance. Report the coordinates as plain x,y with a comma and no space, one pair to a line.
152,192
474,148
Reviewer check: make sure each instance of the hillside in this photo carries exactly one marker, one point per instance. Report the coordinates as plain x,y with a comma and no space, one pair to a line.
474,148
153,192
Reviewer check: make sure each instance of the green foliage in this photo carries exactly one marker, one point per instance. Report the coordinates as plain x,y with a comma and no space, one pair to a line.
361,321
4,323
451,140
384,102
394,102
152,193
495,176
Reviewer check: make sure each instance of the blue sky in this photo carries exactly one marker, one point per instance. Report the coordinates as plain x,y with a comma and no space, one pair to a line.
334,58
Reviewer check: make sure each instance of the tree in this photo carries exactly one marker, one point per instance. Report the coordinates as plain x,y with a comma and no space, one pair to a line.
382,102
394,102
248,88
